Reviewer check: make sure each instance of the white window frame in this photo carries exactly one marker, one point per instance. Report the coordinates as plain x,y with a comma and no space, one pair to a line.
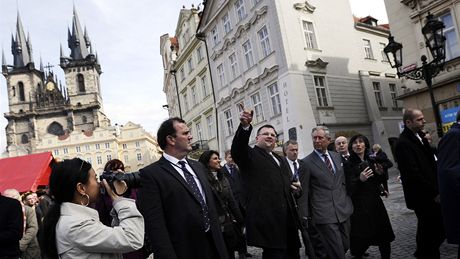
182,74
233,65
229,122
248,54
227,24
382,52
99,160
139,156
451,34
321,91
309,35
221,74
393,94
210,123
184,97
190,65
204,85
274,98
194,95
258,108
368,54
199,131
264,41
215,35
240,10
199,53
378,94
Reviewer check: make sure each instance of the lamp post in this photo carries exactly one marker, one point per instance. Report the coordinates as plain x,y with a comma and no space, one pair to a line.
173,72
435,41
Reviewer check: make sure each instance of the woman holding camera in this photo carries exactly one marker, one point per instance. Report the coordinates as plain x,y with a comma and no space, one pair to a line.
72,228
370,224
230,217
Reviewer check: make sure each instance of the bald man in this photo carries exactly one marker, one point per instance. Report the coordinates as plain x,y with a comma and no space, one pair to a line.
341,146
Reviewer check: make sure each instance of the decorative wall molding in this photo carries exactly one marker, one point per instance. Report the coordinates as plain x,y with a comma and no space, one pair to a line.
305,7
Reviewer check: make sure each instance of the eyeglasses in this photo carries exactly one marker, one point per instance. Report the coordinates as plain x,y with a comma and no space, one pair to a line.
266,134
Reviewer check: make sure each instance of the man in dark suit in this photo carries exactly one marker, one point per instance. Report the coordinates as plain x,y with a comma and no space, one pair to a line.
11,227
331,207
341,147
417,165
271,221
312,240
176,201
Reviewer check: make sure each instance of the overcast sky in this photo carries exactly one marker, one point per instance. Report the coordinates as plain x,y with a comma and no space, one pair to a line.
126,35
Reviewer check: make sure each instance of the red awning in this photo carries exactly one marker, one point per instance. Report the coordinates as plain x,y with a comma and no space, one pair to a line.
25,173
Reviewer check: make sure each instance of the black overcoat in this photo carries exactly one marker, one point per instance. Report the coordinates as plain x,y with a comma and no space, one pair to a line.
449,182
369,221
269,205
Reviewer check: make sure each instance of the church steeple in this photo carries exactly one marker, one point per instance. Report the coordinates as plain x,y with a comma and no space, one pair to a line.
21,46
78,40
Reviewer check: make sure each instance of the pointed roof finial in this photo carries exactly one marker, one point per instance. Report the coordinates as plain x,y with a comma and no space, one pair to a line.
20,46
41,63
78,40
3,58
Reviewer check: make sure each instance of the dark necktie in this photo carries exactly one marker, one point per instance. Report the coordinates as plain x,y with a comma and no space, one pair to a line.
346,157
295,176
232,170
328,163
191,182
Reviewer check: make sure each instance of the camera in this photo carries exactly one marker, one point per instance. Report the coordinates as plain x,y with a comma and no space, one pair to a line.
132,180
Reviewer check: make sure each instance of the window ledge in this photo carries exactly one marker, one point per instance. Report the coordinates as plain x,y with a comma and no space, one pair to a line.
373,59
383,108
325,107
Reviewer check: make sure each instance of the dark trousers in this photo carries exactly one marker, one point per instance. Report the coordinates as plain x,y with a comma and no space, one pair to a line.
430,231
209,249
359,247
292,247
336,238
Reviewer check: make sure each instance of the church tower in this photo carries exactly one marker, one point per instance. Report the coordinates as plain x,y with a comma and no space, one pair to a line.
82,72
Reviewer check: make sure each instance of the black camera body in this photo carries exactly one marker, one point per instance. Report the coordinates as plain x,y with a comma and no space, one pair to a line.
132,180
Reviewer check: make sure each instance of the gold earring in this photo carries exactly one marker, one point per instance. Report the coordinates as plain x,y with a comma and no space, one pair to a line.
83,196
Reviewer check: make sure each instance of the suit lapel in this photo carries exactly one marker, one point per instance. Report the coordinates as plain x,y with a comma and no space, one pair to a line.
270,158
320,163
169,168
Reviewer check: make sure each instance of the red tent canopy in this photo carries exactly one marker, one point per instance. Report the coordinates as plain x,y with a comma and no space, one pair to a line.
25,173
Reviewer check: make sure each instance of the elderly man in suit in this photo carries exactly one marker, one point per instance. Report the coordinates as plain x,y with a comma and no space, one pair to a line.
331,207
176,201
418,168
271,220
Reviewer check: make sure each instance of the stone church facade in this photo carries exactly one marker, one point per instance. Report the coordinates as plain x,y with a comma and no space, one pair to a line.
66,119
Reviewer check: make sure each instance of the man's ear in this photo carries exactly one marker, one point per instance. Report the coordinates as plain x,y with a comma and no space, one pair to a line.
170,140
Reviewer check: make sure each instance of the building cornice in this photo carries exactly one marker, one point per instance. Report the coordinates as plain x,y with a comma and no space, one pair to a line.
305,7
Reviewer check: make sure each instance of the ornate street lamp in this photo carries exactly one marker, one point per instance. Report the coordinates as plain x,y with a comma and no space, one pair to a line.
435,41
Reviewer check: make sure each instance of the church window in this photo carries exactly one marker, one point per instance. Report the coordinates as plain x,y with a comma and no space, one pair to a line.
24,139
14,91
56,129
84,119
22,95
81,83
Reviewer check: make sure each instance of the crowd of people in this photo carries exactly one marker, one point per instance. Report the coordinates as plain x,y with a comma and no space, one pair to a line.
331,200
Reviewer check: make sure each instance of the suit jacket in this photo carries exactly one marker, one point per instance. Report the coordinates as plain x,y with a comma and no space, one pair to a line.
418,168
173,217
11,227
236,184
329,200
29,243
302,201
270,205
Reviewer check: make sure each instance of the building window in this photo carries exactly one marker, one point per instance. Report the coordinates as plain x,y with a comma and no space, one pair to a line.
199,53
125,146
78,148
452,44
22,95
56,152
190,65
84,119
24,139
65,150
233,65
215,35
138,144
204,86
184,96
368,49
229,122
126,158
107,145
226,22
210,123
182,74
187,35
81,83
88,159
199,133
99,160
221,74
257,104
109,157
247,51
139,156
321,91
393,95
98,146
87,147
275,98
264,41
377,94
384,57
240,11
309,33
194,96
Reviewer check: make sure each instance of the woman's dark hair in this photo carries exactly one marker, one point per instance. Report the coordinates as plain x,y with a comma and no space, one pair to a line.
114,165
167,129
363,138
62,185
204,159
206,156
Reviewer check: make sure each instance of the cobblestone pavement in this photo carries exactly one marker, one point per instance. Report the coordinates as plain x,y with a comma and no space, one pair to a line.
404,225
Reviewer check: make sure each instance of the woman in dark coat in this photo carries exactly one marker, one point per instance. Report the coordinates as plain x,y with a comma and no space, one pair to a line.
230,217
370,225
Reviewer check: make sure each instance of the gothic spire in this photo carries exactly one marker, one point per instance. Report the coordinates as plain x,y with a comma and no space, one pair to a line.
78,40
21,47
3,58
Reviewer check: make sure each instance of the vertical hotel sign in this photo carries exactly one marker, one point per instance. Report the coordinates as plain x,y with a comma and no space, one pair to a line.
448,118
